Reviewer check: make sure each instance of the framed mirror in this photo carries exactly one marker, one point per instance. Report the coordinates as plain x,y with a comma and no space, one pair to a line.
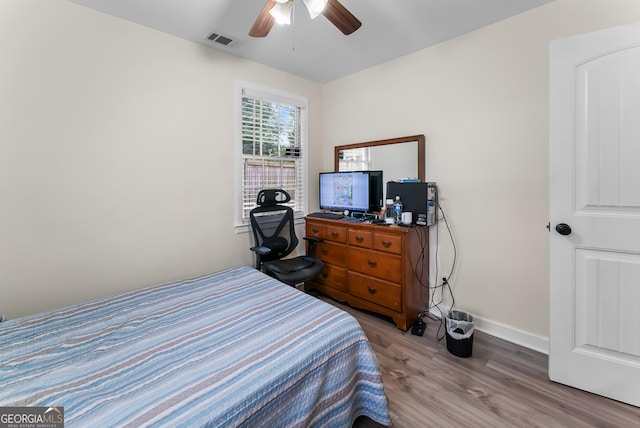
398,158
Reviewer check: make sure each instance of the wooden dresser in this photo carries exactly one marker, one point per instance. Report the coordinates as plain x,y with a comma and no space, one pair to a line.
373,267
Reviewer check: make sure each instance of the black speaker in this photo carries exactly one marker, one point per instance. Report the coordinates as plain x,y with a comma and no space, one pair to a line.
413,196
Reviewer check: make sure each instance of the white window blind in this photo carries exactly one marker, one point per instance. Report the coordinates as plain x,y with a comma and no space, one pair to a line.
273,135
354,159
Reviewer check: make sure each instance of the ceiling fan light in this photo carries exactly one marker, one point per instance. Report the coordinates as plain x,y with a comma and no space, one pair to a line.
315,7
282,12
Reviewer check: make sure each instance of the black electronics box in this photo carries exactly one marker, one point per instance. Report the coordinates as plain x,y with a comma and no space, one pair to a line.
413,195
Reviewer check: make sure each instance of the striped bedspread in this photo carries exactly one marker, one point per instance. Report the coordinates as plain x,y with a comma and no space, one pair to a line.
234,348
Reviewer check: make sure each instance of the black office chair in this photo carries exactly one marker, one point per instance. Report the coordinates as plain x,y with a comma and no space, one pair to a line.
273,230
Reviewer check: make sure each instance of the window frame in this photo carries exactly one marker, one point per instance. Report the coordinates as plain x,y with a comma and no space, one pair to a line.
242,225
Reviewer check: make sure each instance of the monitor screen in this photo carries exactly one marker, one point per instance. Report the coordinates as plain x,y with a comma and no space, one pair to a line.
347,190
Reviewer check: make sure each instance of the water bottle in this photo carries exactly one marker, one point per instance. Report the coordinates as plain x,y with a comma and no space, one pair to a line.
397,210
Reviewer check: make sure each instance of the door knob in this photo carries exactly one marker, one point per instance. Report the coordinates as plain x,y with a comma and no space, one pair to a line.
563,229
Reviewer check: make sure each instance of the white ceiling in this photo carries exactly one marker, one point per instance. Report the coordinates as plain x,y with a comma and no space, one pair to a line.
315,49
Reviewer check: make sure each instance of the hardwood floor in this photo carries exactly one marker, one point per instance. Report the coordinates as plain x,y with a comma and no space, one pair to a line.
500,385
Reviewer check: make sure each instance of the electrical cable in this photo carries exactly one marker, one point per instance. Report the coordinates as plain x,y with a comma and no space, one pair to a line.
445,285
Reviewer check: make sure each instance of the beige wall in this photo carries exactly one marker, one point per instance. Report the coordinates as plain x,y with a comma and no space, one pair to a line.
115,149
482,102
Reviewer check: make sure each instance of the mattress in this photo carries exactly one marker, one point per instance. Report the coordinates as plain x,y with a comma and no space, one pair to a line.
234,348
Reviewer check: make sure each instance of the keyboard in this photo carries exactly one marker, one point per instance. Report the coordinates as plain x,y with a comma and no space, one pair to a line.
331,216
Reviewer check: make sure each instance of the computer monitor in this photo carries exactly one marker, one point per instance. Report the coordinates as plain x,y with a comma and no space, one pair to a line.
344,190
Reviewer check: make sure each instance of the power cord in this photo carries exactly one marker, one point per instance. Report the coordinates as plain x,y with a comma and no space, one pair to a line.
422,275
445,285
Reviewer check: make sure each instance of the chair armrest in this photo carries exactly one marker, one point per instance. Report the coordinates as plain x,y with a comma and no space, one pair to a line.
311,240
262,250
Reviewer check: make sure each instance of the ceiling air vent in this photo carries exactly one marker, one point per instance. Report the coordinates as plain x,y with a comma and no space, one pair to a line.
219,39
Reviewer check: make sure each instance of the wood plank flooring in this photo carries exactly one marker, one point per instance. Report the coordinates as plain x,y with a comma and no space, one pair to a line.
500,385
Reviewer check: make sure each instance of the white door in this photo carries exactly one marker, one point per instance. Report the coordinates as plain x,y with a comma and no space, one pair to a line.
595,190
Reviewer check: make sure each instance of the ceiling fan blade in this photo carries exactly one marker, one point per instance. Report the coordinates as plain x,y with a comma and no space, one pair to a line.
264,22
341,17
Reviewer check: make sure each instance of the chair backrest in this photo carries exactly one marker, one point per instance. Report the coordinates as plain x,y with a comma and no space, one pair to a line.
273,224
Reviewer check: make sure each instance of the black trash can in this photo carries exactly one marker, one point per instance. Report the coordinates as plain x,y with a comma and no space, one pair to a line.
459,331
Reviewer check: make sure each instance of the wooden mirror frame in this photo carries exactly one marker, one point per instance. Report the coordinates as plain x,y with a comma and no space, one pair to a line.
417,138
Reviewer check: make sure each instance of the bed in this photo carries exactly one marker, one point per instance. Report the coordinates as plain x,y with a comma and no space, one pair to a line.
234,348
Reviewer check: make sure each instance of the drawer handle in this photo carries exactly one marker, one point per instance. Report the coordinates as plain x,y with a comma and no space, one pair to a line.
359,239
324,252
386,244
372,291
315,231
335,234
324,275
372,264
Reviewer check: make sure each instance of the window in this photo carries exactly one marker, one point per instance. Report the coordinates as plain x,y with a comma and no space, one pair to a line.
273,133
354,159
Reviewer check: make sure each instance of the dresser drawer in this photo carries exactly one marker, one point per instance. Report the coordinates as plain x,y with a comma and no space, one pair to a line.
360,238
387,243
335,234
332,253
315,230
375,263
333,276
380,292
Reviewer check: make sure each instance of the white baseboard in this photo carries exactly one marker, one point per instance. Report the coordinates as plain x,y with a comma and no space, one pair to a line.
510,334
513,335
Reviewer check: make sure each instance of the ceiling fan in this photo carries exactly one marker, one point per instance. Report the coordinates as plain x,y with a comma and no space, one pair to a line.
280,11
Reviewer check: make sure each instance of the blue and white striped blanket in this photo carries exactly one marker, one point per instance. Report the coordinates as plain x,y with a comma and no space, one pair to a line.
234,348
